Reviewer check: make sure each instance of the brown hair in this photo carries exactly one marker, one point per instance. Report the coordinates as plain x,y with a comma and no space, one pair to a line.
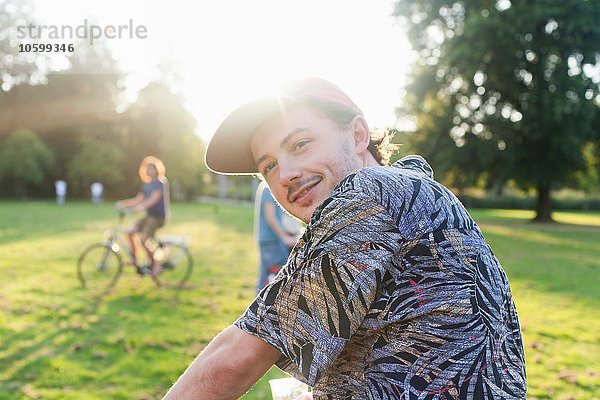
380,146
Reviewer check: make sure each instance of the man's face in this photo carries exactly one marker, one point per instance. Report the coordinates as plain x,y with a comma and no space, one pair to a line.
151,171
303,156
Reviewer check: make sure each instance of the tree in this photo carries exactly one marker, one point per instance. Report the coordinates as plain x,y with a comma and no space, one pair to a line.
79,102
97,160
158,124
24,160
17,67
507,86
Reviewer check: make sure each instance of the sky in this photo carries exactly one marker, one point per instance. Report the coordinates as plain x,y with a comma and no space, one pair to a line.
230,51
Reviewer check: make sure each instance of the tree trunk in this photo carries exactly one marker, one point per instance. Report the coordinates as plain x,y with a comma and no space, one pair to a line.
543,208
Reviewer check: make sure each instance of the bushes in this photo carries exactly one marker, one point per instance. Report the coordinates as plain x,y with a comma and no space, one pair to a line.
560,201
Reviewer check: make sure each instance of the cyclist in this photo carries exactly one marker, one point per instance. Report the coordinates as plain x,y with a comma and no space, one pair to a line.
154,198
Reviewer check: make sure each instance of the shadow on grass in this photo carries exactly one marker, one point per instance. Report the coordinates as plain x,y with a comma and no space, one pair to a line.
553,258
80,346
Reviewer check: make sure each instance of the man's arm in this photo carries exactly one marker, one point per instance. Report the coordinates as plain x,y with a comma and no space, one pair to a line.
152,200
132,201
226,368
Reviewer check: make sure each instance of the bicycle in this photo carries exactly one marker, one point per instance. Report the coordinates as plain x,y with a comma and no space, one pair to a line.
100,265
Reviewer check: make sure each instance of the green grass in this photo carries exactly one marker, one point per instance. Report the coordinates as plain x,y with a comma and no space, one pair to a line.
554,270
57,341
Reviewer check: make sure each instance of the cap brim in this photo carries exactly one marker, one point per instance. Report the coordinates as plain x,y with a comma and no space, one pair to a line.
228,152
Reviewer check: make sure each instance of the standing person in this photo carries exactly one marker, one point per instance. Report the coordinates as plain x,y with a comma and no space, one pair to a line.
391,292
154,198
96,190
60,187
274,240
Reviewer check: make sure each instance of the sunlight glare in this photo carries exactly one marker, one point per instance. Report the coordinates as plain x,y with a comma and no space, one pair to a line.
232,51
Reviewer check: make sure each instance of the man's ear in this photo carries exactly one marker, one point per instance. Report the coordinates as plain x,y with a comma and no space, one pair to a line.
361,135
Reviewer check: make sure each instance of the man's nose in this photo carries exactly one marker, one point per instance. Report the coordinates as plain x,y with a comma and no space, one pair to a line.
288,172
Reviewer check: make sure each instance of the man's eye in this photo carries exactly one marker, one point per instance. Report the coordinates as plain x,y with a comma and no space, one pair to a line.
300,144
268,167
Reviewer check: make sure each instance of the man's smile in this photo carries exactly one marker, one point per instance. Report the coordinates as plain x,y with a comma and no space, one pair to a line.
300,193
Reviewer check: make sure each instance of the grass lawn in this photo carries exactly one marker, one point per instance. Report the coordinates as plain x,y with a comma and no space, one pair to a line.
58,341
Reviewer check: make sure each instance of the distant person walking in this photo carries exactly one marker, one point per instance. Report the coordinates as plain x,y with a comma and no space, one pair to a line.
273,234
154,198
60,187
97,189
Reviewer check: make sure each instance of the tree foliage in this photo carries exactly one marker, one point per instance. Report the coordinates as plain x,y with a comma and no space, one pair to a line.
96,160
505,90
16,67
75,115
159,124
24,161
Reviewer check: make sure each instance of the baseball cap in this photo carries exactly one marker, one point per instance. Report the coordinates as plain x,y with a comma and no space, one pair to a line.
228,151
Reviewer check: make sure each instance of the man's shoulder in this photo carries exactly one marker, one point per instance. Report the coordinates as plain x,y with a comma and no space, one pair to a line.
373,180
387,186
390,186
414,164
154,184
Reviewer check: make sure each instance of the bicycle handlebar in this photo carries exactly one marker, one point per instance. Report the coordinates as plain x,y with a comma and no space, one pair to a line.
123,211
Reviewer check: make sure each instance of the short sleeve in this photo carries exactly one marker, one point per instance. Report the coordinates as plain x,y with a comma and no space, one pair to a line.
156,186
267,197
323,294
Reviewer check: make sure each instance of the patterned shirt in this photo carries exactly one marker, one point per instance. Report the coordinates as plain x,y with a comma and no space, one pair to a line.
393,293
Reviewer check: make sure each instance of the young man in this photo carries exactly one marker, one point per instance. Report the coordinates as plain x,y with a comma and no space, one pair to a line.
154,198
392,291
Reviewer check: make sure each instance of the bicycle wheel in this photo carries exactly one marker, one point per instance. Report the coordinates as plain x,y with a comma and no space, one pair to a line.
177,267
99,267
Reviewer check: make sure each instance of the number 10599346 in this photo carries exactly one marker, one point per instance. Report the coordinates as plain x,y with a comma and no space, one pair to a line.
46,48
